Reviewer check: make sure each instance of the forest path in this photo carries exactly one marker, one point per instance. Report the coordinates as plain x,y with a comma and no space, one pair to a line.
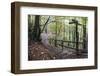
66,53
58,53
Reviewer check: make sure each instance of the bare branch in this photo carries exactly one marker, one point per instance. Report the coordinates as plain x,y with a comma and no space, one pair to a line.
45,23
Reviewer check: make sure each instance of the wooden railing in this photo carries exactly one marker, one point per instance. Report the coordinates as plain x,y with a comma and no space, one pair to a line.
66,44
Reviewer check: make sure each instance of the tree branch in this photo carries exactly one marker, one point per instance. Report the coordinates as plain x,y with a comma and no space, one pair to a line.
45,23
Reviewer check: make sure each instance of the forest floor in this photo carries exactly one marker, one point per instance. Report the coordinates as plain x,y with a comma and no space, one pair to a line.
38,51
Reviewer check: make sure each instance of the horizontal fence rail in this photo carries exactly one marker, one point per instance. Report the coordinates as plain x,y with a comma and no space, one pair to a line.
67,44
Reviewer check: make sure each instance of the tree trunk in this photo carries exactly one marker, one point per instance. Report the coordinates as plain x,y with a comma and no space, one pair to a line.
84,34
36,29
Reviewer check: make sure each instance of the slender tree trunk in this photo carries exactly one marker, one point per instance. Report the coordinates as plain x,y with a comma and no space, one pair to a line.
77,39
56,34
29,27
84,35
